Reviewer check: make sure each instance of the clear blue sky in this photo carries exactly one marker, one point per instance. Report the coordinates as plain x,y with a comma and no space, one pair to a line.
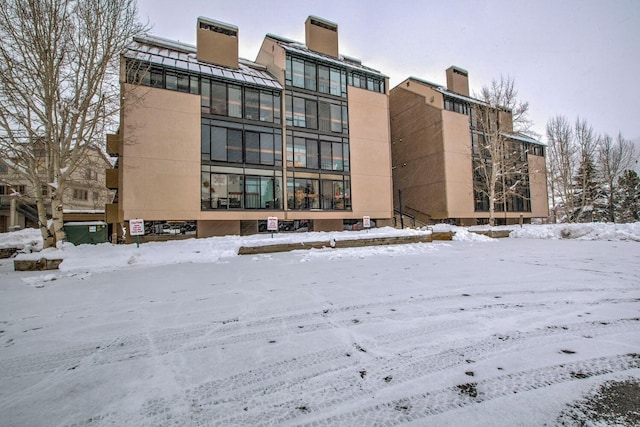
570,57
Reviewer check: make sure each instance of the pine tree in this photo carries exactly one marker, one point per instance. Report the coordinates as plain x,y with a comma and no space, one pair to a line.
587,192
628,197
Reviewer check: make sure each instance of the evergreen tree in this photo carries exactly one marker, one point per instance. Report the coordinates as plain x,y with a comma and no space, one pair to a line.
628,197
587,192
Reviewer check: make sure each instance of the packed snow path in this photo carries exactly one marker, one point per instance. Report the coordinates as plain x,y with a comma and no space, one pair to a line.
459,333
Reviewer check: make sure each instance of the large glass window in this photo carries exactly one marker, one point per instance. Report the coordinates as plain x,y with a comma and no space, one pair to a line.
329,193
313,76
221,189
237,143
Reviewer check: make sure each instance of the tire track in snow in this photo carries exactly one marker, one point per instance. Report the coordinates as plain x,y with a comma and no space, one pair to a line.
231,331
419,406
270,397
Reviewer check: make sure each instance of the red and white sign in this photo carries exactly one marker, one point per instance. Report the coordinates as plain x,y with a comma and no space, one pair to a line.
272,223
366,222
136,227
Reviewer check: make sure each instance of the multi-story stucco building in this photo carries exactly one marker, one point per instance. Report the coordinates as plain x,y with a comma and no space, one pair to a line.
436,144
301,134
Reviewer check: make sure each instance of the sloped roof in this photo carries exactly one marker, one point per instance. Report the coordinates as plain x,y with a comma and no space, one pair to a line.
182,56
342,61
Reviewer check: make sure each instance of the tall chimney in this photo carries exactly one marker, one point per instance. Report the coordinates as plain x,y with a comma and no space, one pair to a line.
217,42
458,80
321,36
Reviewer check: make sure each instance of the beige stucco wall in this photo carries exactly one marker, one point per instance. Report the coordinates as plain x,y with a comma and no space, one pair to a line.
369,138
538,187
418,153
457,158
160,163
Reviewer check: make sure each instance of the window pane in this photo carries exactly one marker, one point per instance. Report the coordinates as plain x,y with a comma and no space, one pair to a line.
337,156
327,194
205,190
252,104
235,191
347,193
310,76
289,109
313,195
336,118
266,148
205,141
338,195
205,95
155,78
218,98
299,153
252,147
325,155
235,101
193,87
335,82
252,192
277,148
171,81
276,108
312,154
299,112
287,73
219,143
297,71
234,145
311,114
289,151
343,83
345,120
266,106
219,191
290,194
345,156
183,83
324,85
324,114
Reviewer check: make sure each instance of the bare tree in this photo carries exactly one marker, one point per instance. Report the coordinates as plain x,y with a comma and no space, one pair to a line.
614,157
499,161
59,87
561,166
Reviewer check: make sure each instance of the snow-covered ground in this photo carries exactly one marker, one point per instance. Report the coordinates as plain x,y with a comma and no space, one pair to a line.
474,331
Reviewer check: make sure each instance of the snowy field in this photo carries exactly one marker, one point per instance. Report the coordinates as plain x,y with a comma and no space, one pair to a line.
471,332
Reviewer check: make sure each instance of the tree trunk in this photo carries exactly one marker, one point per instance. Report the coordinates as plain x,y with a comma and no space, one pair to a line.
57,214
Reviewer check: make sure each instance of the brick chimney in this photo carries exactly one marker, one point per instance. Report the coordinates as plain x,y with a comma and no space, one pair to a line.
217,42
458,80
321,36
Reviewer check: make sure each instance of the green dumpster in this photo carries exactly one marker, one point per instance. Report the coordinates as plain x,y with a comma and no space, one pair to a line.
90,232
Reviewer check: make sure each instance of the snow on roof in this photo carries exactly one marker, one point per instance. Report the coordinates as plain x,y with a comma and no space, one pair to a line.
182,56
343,61
522,137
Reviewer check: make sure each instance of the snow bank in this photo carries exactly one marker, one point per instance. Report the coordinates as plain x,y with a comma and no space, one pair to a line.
588,231
108,257
19,239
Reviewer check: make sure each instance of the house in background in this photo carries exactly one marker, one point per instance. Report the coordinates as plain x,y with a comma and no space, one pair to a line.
85,194
435,144
301,134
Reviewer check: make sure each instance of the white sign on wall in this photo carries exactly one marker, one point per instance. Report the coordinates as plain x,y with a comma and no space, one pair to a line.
366,222
136,227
